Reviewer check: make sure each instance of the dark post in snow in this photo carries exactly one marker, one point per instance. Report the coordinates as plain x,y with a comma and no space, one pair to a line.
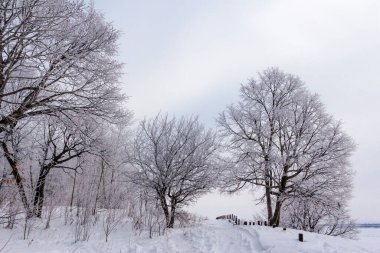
284,229
300,237
265,223
245,223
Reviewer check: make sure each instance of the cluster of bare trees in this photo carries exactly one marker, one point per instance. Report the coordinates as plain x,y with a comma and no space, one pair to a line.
64,130
59,97
65,139
58,79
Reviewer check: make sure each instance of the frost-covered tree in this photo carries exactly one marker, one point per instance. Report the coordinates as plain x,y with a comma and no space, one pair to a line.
58,58
281,139
59,146
176,160
323,214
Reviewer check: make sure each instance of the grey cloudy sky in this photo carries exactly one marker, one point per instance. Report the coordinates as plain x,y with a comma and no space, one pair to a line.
189,57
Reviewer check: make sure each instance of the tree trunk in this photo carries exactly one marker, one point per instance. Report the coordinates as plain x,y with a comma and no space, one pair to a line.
277,212
18,178
21,190
275,220
39,193
98,187
73,190
172,217
268,187
269,202
164,206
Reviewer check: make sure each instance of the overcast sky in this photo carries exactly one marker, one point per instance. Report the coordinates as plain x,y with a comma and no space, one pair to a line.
190,57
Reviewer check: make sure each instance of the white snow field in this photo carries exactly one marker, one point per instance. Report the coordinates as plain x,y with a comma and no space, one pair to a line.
211,236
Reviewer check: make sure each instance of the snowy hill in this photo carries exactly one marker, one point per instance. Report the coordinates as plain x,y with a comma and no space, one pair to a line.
212,236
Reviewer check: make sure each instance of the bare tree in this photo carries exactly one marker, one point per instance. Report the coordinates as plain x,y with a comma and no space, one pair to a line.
46,145
59,146
176,160
323,214
57,57
282,139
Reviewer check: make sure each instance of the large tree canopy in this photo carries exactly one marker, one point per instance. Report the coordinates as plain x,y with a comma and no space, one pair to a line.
175,159
58,59
282,140
56,56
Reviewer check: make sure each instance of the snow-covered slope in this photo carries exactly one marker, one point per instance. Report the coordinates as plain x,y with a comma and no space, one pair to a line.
212,236
220,236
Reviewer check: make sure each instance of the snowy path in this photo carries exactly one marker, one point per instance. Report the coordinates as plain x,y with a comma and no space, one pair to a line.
215,237
222,237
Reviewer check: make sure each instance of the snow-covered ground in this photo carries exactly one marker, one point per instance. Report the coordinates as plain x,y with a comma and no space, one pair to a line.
370,237
211,236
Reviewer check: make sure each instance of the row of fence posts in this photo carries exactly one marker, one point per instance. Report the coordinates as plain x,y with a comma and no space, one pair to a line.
236,221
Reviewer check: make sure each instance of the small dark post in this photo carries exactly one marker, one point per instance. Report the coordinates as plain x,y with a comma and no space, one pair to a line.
284,229
265,223
300,237
274,226
238,221
253,223
249,223
245,223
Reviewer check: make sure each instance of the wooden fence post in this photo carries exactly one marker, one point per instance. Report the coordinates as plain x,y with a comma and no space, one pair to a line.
300,237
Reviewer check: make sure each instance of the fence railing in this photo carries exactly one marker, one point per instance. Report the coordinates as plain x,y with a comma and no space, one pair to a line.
236,221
